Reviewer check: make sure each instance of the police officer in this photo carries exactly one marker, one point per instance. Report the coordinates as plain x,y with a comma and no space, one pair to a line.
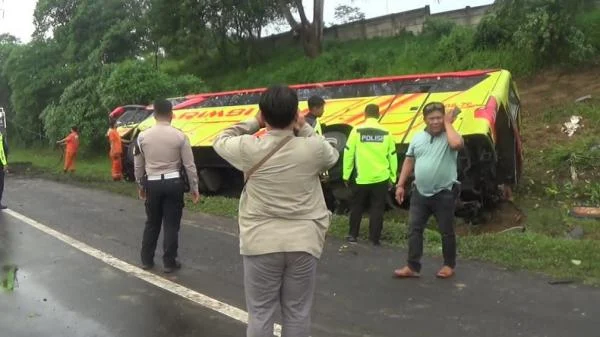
371,152
316,107
163,159
3,166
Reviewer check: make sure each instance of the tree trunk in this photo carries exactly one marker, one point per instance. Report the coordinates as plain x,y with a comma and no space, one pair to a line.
311,35
310,41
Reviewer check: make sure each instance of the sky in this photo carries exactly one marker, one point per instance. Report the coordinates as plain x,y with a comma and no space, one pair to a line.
16,16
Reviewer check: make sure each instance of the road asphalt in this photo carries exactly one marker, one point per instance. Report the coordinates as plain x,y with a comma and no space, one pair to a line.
62,291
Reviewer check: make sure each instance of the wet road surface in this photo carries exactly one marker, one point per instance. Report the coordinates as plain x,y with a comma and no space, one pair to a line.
356,294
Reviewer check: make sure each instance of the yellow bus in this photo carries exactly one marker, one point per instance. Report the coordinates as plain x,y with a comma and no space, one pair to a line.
489,123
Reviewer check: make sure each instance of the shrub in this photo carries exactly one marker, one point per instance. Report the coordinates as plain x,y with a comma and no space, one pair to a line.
189,84
437,28
454,47
545,29
134,82
589,24
79,105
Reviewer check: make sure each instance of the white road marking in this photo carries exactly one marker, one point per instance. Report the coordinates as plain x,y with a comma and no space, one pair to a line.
177,289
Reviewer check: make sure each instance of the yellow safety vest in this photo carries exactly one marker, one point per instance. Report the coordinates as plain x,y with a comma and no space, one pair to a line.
2,154
318,129
371,151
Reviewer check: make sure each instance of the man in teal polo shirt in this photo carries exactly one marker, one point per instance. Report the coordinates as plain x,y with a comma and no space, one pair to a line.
432,154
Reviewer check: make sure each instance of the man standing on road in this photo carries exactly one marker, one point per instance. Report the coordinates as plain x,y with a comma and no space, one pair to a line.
159,155
116,151
432,154
282,215
3,166
371,151
71,148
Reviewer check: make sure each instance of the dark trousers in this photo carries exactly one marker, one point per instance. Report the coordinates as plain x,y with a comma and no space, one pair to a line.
442,206
375,194
329,198
1,182
164,206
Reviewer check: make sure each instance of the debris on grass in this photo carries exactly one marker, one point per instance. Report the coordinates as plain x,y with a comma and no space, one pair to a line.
583,98
585,212
572,125
576,234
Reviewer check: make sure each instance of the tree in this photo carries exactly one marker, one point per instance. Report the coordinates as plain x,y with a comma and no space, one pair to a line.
7,44
37,76
344,14
91,31
311,34
543,28
79,105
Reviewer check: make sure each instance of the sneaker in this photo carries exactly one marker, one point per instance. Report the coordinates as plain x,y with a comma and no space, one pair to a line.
351,239
3,207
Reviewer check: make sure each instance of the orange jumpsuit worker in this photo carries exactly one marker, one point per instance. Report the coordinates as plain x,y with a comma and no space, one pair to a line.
72,145
116,151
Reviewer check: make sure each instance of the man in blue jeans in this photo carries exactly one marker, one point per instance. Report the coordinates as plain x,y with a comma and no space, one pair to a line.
432,154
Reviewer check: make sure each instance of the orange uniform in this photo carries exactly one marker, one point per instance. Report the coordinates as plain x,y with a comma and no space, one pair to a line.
72,145
116,153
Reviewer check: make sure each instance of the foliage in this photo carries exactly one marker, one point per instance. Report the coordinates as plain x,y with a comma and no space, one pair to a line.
545,29
345,13
375,57
437,29
138,82
189,84
79,106
108,29
37,78
455,46
134,82
7,44
589,24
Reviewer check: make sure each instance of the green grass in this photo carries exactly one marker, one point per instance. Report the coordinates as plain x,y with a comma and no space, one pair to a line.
542,248
550,155
397,55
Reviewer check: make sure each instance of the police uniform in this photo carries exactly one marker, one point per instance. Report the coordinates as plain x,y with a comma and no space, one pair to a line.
3,163
314,122
160,154
371,152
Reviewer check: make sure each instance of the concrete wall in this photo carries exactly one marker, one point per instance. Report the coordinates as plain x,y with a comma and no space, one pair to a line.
389,25
468,16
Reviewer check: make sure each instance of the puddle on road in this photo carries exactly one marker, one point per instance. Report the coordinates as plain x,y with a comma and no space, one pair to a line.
8,277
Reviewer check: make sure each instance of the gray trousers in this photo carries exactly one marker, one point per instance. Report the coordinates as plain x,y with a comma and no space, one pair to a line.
279,281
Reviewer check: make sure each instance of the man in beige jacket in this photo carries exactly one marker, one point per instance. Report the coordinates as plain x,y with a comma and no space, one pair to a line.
282,214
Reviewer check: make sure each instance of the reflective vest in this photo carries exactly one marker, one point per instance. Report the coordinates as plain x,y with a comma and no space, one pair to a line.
317,127
371,151
2,154
315,124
